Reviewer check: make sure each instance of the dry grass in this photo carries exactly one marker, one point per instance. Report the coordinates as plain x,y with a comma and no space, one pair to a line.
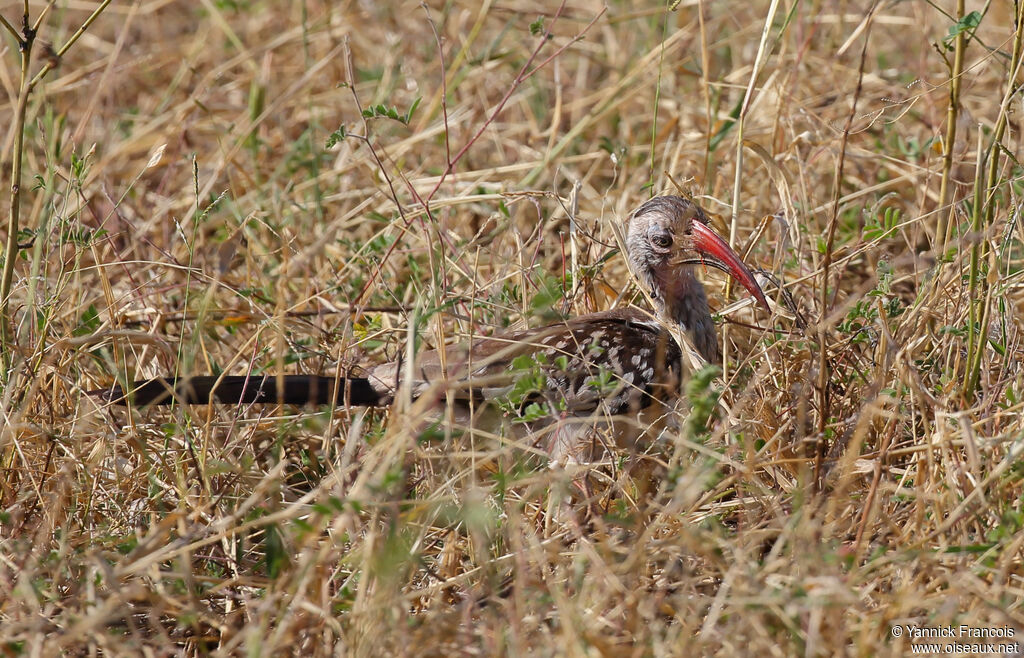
808,520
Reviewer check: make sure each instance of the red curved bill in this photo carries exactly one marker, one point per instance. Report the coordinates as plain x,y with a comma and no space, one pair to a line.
710,243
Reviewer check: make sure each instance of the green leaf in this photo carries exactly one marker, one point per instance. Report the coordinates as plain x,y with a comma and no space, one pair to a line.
412,108
275,556
968,24
884,226
532,412
605,382
727,126
88,323
381,111
336,137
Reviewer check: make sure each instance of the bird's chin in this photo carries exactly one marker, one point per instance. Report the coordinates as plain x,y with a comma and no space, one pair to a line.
645,273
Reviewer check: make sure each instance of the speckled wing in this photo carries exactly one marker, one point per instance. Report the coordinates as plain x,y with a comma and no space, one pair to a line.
608,362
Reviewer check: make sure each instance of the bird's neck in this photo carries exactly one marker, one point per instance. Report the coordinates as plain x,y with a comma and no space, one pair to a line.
680,298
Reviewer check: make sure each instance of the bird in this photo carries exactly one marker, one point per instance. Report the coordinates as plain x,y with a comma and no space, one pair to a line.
563,380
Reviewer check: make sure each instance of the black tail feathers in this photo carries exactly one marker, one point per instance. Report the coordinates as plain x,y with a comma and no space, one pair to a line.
242,389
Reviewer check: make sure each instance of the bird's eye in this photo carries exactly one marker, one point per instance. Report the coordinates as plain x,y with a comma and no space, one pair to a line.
661,240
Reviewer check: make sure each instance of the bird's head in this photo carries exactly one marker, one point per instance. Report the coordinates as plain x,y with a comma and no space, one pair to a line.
668,236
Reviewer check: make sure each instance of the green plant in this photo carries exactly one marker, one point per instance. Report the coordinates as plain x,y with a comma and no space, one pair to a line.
26,40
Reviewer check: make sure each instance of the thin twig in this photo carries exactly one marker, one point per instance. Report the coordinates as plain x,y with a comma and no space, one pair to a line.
825,301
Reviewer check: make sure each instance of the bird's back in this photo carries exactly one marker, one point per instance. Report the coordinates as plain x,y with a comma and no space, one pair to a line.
607,362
